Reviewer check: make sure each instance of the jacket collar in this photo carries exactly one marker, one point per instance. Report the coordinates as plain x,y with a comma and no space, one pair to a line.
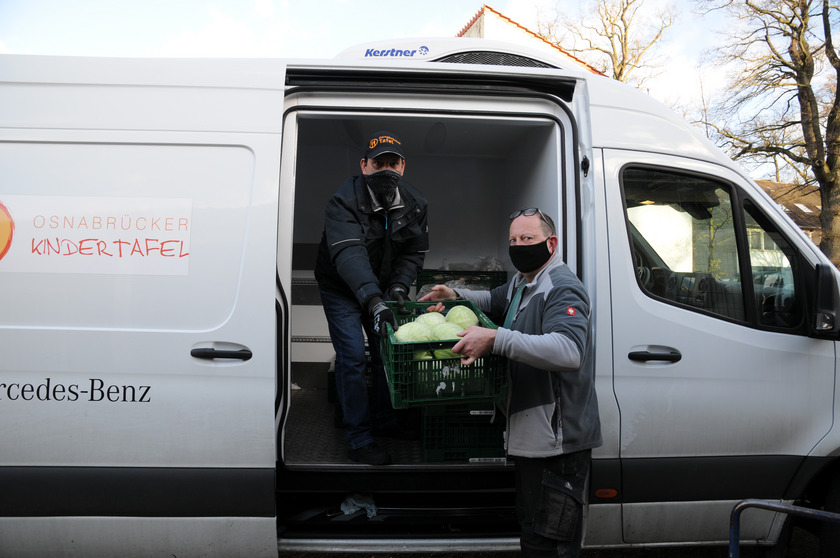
375,205
554,261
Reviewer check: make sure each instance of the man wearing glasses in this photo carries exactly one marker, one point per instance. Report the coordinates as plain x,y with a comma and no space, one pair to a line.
552,409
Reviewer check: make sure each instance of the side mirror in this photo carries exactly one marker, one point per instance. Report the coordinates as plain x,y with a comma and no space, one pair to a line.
825,315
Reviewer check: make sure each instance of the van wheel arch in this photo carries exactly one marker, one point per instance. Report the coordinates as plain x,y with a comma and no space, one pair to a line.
780,549
829,533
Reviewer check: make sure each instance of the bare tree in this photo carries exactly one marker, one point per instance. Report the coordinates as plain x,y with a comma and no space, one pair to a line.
782,106
613,37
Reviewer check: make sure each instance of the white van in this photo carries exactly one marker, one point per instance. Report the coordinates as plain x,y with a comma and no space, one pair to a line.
164,359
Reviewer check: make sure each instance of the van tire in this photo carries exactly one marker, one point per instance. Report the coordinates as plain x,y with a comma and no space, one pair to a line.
830,532
780,549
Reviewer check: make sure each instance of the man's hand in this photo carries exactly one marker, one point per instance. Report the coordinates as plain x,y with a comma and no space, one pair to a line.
381,315
476,341
398,294
440,292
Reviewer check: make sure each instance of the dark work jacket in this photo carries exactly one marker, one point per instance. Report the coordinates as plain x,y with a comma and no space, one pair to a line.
352,245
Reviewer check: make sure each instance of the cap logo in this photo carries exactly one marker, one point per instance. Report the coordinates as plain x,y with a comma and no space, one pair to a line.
382,139
570,311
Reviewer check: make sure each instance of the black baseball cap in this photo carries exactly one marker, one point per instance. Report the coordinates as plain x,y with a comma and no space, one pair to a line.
383,142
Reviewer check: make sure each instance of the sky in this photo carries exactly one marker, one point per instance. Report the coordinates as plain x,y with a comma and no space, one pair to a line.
292,28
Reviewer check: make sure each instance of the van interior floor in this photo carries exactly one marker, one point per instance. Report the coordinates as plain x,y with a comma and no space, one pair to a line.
413,497
313,435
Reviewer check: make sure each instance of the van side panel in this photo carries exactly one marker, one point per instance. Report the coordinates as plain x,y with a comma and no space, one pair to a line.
604,513
136,537
138,331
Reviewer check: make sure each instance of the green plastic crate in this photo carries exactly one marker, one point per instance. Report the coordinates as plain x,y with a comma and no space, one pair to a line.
414,381
463,432
475,279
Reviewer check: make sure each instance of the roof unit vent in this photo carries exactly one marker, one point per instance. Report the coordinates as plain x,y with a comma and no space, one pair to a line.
493,59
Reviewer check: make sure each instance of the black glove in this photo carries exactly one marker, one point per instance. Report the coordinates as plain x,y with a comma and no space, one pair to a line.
381,315
398,294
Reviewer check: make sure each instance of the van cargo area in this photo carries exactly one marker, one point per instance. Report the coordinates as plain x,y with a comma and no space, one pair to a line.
473,172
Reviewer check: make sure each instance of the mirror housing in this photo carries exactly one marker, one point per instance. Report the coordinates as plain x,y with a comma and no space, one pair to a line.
825,317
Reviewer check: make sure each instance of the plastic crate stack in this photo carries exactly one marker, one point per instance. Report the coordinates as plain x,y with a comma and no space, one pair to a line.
472,432
469,279
458,402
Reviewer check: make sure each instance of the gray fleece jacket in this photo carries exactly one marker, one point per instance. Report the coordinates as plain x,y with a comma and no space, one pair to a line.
552,407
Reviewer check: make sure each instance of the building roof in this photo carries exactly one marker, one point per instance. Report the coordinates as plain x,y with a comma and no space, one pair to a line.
477,28
801,202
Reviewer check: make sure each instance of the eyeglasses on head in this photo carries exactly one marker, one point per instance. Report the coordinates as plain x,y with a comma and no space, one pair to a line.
533,211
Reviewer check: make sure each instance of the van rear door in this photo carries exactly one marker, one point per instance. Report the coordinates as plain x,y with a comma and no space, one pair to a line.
137,382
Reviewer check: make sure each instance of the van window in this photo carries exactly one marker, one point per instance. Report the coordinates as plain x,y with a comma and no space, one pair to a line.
772,261
684,236
683,239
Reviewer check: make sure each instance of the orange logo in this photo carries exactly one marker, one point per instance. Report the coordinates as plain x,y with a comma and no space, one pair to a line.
382,139
7,229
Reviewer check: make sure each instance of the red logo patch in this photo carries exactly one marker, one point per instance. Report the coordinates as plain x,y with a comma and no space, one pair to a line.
570,311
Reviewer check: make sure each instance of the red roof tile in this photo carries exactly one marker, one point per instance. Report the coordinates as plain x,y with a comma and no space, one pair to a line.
487,8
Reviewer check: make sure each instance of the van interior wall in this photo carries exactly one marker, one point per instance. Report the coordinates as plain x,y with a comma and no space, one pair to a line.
473,172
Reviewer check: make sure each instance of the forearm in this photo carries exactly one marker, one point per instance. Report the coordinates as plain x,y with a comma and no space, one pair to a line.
353,267
480,298
405,268
550,351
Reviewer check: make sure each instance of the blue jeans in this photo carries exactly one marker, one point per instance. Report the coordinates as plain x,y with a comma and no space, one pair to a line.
348,323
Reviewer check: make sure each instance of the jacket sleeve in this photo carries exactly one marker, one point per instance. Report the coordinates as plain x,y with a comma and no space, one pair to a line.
493,302
348,252
411,254
564,333
549,351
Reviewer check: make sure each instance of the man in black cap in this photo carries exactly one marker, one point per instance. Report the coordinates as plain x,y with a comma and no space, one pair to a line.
374,242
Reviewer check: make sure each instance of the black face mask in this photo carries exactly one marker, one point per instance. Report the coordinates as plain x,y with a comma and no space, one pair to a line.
530,257
383,184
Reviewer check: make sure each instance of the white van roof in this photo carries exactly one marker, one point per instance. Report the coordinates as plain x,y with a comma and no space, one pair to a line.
623,117
454,49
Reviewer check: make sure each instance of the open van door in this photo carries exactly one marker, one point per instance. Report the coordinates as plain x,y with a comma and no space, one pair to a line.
137,383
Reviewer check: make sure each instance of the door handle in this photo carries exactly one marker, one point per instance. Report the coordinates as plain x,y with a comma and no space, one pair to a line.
211,354
644,356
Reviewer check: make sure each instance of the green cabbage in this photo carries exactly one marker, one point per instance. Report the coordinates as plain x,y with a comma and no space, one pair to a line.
462,316
446,330
446,353
431,318
413,332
